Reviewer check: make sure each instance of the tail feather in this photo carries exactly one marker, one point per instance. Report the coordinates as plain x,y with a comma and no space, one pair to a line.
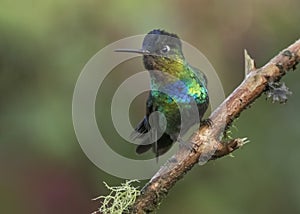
142,128
140,149
161,146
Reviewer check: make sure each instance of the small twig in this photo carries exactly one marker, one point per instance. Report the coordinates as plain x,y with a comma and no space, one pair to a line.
207,144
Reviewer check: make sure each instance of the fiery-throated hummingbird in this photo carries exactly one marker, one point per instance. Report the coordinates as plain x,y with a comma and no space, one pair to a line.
178,93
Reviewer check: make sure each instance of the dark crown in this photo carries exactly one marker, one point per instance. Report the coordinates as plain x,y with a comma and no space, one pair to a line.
162,32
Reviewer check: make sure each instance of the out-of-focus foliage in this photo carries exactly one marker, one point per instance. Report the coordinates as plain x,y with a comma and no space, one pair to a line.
45,44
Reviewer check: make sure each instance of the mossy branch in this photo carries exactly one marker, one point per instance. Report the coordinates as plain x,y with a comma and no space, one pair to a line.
206,142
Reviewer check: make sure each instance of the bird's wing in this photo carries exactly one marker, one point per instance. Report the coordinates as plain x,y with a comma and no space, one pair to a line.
200,75
143,126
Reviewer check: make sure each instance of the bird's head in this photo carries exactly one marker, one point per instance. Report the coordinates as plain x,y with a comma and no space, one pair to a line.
159,49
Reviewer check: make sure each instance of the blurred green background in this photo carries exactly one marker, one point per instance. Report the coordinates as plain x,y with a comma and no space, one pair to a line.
45,44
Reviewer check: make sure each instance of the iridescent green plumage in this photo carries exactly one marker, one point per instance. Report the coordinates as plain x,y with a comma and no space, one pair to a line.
178,91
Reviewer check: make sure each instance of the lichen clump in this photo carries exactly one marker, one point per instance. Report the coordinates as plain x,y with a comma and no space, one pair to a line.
119,199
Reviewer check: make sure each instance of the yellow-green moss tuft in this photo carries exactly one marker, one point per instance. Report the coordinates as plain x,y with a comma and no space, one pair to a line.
119,199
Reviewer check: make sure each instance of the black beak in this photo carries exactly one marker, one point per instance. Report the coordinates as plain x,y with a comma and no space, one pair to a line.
139,51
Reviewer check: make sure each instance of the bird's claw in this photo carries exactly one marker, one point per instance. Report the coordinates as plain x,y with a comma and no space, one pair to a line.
207,122
188,146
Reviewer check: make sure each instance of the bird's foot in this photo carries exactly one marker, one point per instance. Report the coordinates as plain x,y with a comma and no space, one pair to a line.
187,145
206,122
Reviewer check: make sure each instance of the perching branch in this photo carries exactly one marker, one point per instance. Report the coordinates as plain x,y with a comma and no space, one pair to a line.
207,144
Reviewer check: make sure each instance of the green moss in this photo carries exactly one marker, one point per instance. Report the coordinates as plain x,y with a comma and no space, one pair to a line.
119,199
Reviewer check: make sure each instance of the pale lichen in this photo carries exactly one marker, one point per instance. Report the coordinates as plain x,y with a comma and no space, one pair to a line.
119,199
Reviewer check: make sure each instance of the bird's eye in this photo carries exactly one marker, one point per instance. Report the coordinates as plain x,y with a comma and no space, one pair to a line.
165,49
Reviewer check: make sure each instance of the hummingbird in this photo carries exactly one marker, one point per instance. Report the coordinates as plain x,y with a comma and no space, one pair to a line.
178,93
